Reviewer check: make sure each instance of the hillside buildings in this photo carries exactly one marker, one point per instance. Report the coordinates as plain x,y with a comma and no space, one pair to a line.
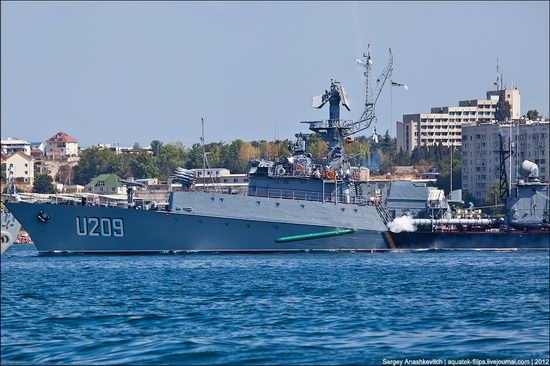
21,166
61,146
443,124
105,184
12,145
480,152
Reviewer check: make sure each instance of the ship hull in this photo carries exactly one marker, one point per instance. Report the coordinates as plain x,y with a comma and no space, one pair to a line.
101,230
10,229
471,240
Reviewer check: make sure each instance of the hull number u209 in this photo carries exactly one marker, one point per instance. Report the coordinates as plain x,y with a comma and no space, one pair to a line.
99,226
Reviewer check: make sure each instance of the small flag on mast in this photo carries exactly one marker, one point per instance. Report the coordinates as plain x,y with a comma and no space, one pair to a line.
393,83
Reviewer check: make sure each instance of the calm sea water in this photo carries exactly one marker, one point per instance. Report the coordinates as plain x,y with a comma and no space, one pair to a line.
264,309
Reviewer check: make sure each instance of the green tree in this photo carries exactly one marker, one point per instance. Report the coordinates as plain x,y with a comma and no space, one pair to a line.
194,159
230,154
93,161
143,166
444,179
170,157
357,151
532,114
317,147
156,146
503,110
43,184
492,198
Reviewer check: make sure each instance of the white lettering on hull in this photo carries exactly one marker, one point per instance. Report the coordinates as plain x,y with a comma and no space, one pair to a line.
95,226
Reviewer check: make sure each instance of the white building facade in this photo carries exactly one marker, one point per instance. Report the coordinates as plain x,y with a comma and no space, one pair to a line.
12,145
480,152
443,124
22,167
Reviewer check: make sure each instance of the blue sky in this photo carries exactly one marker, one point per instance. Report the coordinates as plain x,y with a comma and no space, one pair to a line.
121,72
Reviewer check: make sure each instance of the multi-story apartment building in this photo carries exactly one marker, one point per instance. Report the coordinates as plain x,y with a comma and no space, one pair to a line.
21,166
12,145
443,124
61,146
481,158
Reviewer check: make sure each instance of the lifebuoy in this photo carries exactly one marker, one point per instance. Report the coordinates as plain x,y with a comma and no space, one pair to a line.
356,175
299,168
330,174
281,171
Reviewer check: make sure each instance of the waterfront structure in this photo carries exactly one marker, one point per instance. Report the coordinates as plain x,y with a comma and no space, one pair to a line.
210,173
481,157
219,179
105,184
122,149
219,175
61,146
22,167
443,124
12,145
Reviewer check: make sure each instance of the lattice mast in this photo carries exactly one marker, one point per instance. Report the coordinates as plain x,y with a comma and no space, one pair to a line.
368,117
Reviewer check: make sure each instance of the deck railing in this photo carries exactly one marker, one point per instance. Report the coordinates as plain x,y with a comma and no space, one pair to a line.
304,195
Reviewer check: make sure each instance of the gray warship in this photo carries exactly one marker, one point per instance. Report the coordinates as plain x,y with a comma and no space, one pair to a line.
423,218
9,225
10,228
292,204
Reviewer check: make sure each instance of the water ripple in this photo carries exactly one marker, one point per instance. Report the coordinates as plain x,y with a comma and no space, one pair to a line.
272,309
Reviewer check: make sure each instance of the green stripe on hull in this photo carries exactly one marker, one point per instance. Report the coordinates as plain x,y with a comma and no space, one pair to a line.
286,239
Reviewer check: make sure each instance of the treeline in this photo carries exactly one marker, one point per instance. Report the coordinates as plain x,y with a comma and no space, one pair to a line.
234,156
379,156
386,154
166,157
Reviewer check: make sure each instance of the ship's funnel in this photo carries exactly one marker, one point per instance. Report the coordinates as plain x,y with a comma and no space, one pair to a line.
529,169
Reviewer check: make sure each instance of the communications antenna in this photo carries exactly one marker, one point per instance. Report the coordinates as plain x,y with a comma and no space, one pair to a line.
368,116
499,83
203,157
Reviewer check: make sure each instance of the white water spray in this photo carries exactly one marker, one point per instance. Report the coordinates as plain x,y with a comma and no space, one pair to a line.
403,223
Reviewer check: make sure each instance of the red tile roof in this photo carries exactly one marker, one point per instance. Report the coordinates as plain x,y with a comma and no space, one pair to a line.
61,137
